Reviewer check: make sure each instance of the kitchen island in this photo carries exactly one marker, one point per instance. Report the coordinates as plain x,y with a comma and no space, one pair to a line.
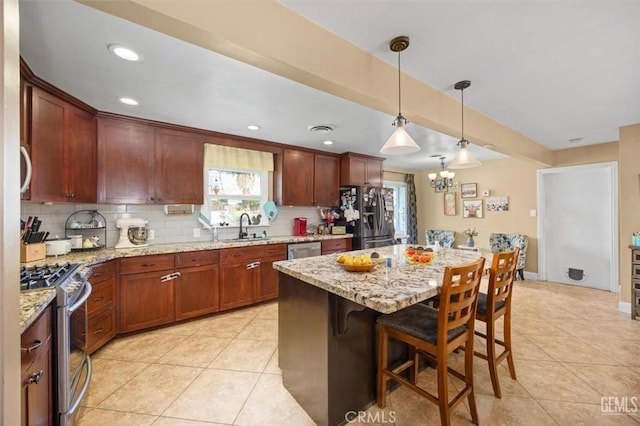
326,325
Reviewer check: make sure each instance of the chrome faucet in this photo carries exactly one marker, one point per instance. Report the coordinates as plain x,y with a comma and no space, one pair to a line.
244,234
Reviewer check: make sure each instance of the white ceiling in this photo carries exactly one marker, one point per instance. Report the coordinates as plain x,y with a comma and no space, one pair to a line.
552,71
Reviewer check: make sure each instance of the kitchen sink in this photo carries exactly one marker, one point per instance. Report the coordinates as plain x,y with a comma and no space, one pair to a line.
236,240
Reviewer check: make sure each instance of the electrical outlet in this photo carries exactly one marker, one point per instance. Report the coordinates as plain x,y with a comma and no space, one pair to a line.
196,232
152,234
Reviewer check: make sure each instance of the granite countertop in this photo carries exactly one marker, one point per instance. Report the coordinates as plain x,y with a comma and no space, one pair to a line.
32,303
383,290
98,256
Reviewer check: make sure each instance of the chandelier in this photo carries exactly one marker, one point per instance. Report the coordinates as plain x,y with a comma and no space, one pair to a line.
445,180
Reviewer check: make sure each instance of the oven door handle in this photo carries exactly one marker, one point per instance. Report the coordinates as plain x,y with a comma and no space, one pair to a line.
85,387
83,298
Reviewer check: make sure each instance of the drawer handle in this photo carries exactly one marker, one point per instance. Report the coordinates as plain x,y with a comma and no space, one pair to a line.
98,299
197,259
98,331
36,377
148,264
97,274
36,344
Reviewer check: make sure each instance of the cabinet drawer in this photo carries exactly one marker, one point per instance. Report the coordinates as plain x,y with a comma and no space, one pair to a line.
34,339
635,271
245,254
197,258
103,294
101,329
134,265
635,256
635,285
102,272
336,246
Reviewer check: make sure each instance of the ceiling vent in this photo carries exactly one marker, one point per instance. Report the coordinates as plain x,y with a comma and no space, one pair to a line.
321,128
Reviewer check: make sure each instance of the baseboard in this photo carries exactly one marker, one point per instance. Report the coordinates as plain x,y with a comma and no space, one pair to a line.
530,275
624,307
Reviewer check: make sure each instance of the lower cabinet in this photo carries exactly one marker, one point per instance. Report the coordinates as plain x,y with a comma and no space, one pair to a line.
336,246
101,306
196,288
247,275
37,369
146,298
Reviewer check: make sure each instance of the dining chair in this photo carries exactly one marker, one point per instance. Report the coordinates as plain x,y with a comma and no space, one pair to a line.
507,242
445,237
496,303
434,334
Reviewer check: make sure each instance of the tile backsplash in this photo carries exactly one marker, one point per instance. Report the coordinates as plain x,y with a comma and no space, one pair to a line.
167,229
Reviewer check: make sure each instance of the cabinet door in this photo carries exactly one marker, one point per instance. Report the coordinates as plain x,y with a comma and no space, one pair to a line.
353,170
80,156
179,167
197,291
374,172
326,185
267,287
125,162
297,178
101,329
145,301
237,282
48,181
37,391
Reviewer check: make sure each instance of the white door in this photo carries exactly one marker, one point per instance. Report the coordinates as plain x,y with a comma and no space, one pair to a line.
577,225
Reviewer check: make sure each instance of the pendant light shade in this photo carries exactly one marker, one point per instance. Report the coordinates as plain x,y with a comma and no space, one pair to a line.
464,159
400,141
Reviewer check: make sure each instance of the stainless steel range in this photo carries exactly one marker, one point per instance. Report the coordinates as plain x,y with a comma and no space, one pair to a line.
73,364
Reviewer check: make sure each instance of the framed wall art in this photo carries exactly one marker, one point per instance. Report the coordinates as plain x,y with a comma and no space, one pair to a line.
472,208
498,204
450,204
469,190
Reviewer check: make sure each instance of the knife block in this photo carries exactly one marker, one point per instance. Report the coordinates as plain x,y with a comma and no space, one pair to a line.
31,252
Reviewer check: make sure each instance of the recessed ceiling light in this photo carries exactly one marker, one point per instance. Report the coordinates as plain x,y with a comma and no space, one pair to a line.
321,128
128,101
328,142
253,127
124,53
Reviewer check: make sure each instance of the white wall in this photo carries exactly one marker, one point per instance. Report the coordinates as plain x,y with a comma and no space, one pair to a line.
168,229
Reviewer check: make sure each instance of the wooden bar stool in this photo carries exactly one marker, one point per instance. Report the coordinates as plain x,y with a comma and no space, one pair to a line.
493,305
434,334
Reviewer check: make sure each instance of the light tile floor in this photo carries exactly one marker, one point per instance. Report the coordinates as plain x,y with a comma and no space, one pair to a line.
572,348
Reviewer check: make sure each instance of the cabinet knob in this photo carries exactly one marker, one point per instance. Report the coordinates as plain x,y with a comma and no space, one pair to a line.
36,377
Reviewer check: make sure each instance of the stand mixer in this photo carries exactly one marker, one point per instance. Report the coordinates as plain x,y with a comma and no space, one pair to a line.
133,232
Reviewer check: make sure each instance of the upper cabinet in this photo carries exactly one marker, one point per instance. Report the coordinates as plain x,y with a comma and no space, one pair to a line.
142,164
62,139
305,178
357,169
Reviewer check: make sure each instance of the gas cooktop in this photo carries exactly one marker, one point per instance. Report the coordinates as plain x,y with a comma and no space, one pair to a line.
45,276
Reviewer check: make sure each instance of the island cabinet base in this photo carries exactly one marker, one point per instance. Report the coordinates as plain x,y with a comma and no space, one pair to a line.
327,351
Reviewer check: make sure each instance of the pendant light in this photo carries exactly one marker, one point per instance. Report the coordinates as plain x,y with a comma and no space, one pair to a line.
400,141
464,159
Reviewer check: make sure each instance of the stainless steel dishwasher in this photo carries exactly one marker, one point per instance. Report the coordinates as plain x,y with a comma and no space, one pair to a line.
300,250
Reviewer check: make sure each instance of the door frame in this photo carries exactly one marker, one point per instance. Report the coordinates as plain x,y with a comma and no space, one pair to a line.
612,166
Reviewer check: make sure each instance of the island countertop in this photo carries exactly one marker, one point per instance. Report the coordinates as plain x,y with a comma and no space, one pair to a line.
385,290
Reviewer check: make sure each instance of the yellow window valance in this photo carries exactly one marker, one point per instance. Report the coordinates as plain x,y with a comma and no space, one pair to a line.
235,158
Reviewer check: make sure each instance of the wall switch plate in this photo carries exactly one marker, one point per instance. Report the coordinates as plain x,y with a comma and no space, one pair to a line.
196,232
152,234
486,193
533,213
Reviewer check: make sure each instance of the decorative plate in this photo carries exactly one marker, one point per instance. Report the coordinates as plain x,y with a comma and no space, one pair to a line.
270,210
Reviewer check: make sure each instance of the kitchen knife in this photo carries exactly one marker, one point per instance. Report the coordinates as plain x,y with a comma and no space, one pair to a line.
28,224
35,226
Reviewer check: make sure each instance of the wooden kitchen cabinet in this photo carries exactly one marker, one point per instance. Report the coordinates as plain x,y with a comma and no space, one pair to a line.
36,372
142,164
247,275
63,150
336,246
146,292
197,287
101,306
307,179
357,169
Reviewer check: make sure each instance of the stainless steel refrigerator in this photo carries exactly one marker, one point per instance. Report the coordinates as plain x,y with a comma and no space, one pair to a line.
367,212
